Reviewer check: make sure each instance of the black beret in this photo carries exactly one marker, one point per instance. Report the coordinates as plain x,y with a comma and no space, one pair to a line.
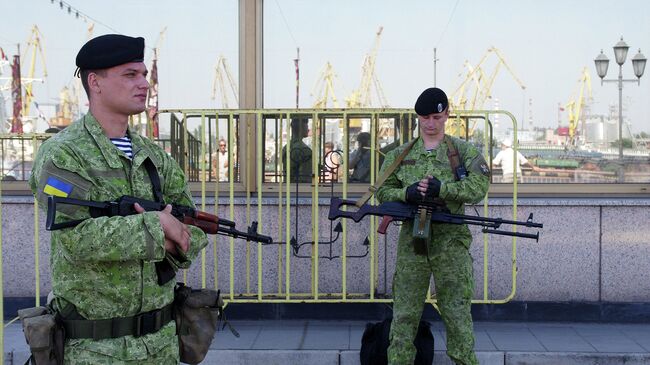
110,50
432,100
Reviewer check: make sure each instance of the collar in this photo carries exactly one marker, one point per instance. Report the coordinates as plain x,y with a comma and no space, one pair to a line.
441,149
111,154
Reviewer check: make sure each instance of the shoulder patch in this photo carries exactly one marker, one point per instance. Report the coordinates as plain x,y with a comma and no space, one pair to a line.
56,181
479,166
56,187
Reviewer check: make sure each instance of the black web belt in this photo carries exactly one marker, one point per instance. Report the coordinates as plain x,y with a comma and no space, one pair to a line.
101,329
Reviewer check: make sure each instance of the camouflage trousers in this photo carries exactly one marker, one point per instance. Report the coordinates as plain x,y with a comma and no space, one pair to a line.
451,266
168,355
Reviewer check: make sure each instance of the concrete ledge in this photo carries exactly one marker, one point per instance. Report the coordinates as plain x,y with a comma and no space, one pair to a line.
602,312
512,311
574,358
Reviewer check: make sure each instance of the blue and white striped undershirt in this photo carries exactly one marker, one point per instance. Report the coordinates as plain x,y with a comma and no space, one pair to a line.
124,144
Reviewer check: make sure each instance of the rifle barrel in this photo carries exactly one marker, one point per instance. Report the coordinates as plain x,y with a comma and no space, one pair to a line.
497,221
231,232
534,236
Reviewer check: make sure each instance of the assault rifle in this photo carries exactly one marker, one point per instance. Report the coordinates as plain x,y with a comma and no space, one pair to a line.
397,211
208,223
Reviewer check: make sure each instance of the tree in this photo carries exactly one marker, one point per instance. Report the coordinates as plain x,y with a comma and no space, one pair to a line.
627,143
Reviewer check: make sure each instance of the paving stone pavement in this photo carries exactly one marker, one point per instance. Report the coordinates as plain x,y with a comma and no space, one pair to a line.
338,343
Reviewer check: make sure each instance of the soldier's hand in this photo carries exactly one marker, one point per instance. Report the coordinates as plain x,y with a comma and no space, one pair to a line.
423,185
433,187
170,247
174,230
413,194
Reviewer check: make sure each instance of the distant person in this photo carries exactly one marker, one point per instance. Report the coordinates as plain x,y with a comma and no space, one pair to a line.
506,159
331,163
300,154
220,161
360,159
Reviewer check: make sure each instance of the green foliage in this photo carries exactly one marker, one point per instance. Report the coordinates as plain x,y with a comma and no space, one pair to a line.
627,143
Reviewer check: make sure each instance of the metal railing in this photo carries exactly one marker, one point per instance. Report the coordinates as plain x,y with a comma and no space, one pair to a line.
269,177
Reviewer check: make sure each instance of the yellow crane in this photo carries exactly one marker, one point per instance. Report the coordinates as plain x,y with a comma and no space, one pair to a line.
4,62
151,111
70,101
476,87
323,89
458,99
160,38
33,46
221,71
577,103
361,97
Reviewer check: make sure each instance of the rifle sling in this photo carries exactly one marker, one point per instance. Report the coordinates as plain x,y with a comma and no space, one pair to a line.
138,325
155,180
452,155
380,181
164,270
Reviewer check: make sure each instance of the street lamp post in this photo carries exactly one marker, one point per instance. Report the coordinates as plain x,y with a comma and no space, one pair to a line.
638,64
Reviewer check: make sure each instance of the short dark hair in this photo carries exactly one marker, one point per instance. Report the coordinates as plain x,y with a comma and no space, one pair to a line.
84,78
299,125
364,138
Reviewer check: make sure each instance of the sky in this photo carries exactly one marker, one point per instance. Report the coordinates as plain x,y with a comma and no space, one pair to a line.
545,43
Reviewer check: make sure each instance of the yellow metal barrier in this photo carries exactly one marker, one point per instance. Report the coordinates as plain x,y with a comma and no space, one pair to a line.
253,129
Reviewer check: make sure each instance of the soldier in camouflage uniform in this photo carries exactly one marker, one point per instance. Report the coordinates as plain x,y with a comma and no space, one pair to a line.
104,268
426,172
300,163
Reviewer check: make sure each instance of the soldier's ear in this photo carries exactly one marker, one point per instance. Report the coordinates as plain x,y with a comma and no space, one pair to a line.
94,83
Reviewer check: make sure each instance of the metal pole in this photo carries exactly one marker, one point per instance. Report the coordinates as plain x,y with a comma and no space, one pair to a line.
620,112
296,62
435,62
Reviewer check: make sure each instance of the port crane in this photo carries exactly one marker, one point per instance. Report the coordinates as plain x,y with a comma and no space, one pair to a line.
361,97
476,87
221,71
323,89
576,105
152,96
4,62
34,47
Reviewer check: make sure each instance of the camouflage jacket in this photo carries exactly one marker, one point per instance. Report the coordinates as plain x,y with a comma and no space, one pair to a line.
299,161
420,163
105,266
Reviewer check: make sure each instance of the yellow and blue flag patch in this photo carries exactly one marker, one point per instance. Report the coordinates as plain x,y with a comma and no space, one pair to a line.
57,187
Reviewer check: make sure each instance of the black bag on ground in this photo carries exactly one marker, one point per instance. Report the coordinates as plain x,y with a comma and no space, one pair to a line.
375,341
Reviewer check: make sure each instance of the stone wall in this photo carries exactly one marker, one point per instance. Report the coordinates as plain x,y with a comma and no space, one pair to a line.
590,250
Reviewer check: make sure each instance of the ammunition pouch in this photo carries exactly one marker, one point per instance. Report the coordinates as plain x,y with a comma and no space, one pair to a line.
44,334
421,231
197,315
